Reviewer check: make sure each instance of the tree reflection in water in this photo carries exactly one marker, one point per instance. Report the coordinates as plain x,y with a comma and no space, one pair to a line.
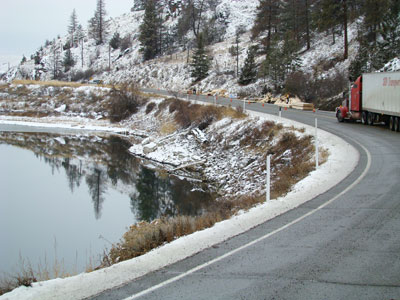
104,161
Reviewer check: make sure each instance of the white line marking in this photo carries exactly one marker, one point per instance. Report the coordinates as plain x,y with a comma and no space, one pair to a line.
217,259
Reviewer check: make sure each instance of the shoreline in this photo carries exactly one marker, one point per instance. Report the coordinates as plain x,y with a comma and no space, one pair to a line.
87,284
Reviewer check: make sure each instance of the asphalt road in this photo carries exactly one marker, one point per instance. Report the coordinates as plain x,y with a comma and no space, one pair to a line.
345,247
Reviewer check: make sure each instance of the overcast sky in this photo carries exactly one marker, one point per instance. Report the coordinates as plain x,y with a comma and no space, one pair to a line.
25,25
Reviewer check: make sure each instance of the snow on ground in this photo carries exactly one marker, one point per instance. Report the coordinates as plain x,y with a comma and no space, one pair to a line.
83,285
171,72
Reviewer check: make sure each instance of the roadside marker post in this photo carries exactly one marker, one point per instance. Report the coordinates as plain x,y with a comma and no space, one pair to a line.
268,187
244,104
215,100
316,144
280,112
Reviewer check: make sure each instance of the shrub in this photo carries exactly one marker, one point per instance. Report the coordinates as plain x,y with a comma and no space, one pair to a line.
124,101
82,75
313,90
150,107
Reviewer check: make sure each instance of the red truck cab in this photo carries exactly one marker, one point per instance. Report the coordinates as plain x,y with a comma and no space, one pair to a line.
351,107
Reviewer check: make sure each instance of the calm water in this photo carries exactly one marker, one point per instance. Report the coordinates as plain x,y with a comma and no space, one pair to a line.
67,197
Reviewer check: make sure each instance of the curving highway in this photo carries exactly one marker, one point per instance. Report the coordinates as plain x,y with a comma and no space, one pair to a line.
344,244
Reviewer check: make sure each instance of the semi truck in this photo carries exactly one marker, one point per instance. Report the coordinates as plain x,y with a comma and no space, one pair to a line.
373,98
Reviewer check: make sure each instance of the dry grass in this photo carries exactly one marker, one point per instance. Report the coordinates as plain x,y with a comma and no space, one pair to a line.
27,274
56,83
145,236
187,114
168,128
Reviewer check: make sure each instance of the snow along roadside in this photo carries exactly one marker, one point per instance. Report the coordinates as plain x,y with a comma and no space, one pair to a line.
342,160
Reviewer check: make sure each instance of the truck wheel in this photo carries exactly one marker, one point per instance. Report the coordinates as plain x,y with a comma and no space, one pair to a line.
370,118
397,124
339,116
364,118
391,123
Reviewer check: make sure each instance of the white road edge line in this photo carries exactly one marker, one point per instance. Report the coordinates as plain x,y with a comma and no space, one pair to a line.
217,259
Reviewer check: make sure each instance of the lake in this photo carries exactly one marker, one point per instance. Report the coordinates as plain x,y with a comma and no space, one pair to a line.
65,197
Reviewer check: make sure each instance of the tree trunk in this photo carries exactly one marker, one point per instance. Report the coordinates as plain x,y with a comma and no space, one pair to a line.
346,42
307,27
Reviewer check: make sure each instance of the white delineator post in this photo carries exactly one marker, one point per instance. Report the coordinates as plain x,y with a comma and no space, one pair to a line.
316,144
268,184
244,104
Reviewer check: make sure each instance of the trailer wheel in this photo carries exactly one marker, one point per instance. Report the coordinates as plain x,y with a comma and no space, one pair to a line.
364,118
370,118
397,124
391,123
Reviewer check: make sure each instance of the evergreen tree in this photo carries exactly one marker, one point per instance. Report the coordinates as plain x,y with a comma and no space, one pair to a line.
295,19
148,37
281,60
23,60
73,26
115,41
68,61
249,71
37,58
375,11
200,62
235,50
98,23
55,62
267,20
360,64
389,45
138,5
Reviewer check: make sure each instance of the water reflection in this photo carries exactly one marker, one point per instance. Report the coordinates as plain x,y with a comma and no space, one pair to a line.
103,161
74,189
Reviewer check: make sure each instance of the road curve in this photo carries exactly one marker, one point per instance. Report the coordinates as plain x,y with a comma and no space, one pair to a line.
343,244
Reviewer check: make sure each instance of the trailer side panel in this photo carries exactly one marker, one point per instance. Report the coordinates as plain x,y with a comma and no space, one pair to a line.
381,93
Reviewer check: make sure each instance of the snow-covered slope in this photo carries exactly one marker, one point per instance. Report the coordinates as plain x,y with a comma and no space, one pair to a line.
172,72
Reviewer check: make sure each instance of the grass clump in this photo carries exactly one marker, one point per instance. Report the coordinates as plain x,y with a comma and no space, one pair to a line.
187,114
144,236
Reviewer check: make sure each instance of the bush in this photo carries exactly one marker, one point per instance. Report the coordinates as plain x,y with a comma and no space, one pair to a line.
314,90
124,101
115,41
82,75
150,107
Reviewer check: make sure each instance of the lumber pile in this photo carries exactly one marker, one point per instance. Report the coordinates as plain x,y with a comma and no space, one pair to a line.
293,102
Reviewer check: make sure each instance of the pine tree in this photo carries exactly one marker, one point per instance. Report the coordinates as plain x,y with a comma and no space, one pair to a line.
200,62
149,39
68,61
55,61
115,41
295,17
80,36
267,20
389,45
375,11
98,23
281,60
249,71
73,26
37,58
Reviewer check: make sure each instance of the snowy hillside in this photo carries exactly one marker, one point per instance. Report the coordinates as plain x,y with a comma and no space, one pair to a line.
172,71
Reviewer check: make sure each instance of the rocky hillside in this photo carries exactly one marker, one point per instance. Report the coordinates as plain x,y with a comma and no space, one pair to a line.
171,71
